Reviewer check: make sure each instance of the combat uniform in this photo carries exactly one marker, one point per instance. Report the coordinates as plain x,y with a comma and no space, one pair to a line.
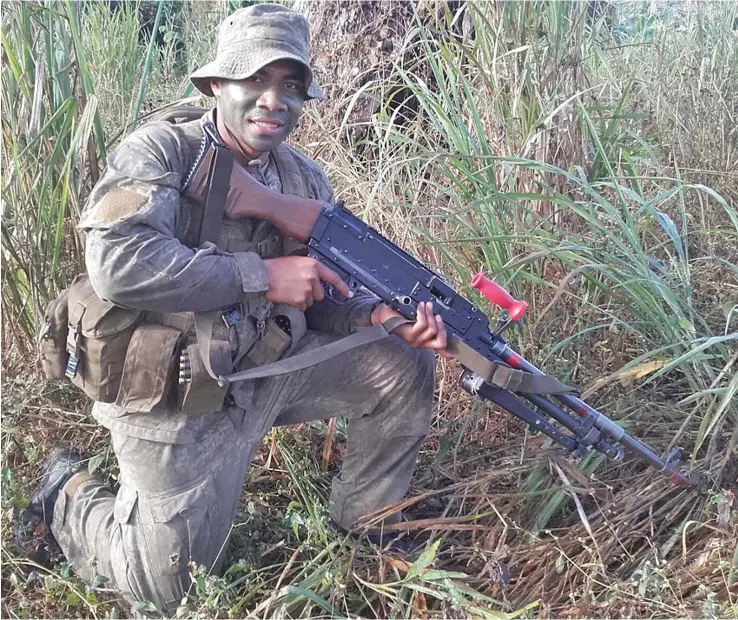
181,476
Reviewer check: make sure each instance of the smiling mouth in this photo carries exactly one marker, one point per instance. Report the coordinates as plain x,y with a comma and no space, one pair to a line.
266,124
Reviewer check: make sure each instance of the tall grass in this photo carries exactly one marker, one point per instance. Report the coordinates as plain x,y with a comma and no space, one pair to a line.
685,60
552,193
73,77
52,146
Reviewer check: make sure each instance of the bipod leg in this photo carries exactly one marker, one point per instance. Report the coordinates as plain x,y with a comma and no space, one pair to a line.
511,403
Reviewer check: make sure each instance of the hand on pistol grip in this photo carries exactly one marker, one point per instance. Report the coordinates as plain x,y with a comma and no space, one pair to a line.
299,281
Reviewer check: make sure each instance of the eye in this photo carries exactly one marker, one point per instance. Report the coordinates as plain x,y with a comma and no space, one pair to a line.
294,86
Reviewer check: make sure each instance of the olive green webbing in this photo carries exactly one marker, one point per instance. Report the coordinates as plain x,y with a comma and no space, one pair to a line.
301,360
501,375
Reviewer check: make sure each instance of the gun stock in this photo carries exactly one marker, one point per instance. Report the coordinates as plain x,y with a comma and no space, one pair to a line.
292,215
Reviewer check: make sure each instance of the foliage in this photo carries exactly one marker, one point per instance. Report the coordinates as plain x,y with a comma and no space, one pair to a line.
51,136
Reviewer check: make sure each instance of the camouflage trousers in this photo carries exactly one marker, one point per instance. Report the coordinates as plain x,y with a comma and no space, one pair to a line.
177,502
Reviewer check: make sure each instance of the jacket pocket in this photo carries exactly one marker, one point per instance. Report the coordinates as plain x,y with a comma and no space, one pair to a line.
150,367
125,502
126,543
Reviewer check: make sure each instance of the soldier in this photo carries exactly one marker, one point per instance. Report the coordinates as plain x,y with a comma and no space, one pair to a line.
181,474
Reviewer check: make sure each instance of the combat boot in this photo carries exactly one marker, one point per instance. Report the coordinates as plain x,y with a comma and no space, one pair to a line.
32,526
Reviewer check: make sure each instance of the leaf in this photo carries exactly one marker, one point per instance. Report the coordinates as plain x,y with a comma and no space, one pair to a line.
100,581
65,570
141,608
420,606
424,561
627,377
399,564
437,575
318,600
95,463
668,226
688,327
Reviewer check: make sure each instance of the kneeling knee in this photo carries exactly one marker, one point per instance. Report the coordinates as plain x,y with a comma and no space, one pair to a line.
416,369
422,368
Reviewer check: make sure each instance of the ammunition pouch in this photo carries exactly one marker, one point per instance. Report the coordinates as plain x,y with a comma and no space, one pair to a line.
85,340
145,360
150,368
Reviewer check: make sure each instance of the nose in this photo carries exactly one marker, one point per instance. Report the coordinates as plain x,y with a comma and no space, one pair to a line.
271,99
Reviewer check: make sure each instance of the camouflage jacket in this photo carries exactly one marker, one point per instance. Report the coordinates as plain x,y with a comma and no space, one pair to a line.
138,254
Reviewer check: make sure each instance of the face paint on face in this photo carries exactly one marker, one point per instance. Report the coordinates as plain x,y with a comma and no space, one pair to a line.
258,113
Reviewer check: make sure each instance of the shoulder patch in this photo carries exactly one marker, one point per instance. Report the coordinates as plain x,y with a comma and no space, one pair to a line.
117,204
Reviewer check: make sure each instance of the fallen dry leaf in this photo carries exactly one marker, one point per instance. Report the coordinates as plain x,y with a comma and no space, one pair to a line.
419,606
399,564
626,376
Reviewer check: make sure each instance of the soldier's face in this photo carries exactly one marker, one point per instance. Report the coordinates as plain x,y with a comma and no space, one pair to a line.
260,111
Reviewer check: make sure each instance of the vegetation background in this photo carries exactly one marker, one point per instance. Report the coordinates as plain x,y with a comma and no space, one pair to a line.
582,154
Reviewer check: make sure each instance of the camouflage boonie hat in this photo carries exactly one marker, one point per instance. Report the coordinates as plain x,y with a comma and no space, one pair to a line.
253,37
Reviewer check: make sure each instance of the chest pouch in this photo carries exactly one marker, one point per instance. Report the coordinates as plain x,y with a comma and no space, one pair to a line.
85,339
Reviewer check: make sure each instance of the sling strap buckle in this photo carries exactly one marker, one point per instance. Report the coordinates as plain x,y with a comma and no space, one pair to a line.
522,382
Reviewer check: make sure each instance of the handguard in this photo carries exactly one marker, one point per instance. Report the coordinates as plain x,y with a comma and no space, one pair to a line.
365,258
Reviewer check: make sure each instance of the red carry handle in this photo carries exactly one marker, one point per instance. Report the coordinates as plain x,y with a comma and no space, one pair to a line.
499,296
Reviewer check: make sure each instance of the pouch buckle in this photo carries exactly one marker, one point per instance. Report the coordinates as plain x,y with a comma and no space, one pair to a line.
232,317
73,348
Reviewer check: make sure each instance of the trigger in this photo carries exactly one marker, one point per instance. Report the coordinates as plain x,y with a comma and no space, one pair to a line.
332,294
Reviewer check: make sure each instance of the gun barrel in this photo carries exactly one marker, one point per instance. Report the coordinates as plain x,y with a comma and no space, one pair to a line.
604,424
587,434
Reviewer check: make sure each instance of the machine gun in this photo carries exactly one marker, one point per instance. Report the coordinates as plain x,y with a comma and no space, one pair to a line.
365,258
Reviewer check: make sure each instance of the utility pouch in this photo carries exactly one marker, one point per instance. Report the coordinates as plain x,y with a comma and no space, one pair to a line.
96,341
271,347
150,368
198,392
284,329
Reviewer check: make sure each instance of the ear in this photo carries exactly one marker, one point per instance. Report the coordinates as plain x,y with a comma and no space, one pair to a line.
215,87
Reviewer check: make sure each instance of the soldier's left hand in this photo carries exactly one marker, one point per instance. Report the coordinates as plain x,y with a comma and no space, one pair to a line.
428,331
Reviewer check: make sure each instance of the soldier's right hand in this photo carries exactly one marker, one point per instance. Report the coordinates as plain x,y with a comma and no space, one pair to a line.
297,281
